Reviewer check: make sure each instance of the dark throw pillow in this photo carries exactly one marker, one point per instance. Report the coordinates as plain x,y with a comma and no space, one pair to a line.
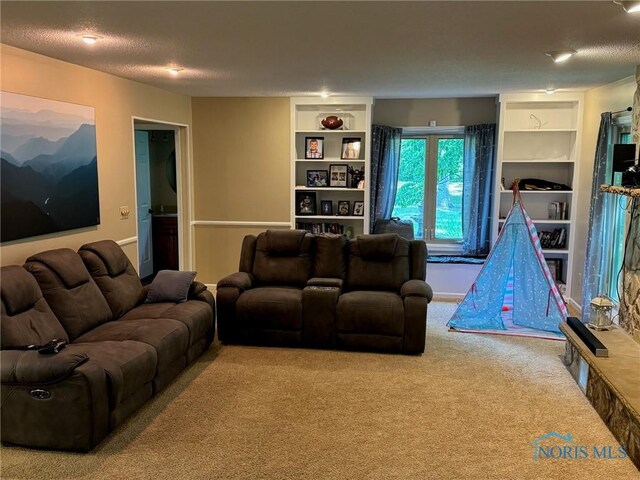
170,286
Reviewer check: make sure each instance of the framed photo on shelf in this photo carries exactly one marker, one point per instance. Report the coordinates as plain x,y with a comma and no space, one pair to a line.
314,147
326,207
338,175
306,203
358,208
317,178
343,208
351,148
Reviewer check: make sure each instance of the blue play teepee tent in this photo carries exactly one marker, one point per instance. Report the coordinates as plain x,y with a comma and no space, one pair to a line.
515,260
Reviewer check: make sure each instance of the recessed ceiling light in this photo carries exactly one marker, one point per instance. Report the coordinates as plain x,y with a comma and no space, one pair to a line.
629,7
89,39
174,70
560,56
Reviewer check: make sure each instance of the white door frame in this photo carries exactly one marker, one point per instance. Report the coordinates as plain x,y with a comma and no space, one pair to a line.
183,154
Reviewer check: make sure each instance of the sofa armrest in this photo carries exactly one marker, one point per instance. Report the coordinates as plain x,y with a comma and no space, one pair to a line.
241,280
28,367
196,288
416,288
325,282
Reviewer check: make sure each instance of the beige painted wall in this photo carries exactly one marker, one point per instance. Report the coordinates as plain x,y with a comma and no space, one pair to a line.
241,172
445,111
115,101
607,98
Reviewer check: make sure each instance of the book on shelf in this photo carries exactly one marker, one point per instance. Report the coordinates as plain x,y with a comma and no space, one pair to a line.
321,227
558,211
553,239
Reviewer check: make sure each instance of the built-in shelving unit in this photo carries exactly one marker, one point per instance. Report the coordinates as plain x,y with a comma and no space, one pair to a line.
539,137
306,116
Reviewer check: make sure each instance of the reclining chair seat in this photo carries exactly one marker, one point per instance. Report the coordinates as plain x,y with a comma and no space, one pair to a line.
195,315
169,338
370,312
271,308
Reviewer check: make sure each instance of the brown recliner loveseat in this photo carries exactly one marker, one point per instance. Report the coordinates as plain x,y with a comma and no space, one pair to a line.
121,350
299,289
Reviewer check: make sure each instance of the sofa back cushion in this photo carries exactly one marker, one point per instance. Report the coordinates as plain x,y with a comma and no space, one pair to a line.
283,257
114,274
378,262
69,290
330,259
25,316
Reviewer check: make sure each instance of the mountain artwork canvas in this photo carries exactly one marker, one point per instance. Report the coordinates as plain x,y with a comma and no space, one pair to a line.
48,167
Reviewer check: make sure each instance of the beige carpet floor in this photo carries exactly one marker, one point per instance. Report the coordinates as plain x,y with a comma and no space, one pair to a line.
468,408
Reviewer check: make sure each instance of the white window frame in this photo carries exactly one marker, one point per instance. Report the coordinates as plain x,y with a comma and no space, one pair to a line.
432,135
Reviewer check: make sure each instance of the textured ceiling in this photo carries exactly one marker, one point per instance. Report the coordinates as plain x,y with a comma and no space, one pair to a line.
385,49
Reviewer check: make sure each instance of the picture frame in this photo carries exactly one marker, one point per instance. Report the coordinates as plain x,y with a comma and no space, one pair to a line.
317,178
351,148
306,203
338,175
358,208
313,147
326,207
344,208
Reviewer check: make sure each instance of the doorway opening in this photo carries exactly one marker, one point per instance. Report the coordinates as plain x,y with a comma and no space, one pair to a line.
157,198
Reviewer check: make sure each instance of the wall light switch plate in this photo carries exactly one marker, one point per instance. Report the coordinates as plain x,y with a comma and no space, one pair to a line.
124,213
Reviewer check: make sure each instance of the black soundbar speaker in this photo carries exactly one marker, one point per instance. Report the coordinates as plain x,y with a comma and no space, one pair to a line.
587,337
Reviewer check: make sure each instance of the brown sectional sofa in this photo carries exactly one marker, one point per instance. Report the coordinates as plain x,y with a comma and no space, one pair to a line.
299,289
121,350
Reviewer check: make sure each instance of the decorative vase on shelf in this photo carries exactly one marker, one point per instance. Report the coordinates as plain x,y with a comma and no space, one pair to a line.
332,122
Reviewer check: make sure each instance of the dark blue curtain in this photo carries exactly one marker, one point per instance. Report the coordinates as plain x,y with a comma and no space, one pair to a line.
592,280
385,162
479,159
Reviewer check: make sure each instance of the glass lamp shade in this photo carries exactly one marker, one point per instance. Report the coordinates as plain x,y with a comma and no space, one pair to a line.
601,313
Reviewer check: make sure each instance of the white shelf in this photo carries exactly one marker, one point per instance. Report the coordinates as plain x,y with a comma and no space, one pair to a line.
306,116
538,130
330,160
329,189
331,217
550,153
358,132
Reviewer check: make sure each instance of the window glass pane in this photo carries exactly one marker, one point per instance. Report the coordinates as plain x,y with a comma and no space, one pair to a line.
449,189
409,204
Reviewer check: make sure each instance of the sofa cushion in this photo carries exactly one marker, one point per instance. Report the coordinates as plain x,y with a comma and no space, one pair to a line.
169,338
284,242
69,290
170,286
378,247
195,315
330,259
129,365
25,318
283,258
114,274
370,312
270,308
370,266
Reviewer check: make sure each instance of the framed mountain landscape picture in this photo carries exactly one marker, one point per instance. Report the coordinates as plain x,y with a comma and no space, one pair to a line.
48,167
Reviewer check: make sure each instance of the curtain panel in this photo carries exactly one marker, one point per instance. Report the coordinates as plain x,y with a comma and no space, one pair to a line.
592,281
479,160
385,163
